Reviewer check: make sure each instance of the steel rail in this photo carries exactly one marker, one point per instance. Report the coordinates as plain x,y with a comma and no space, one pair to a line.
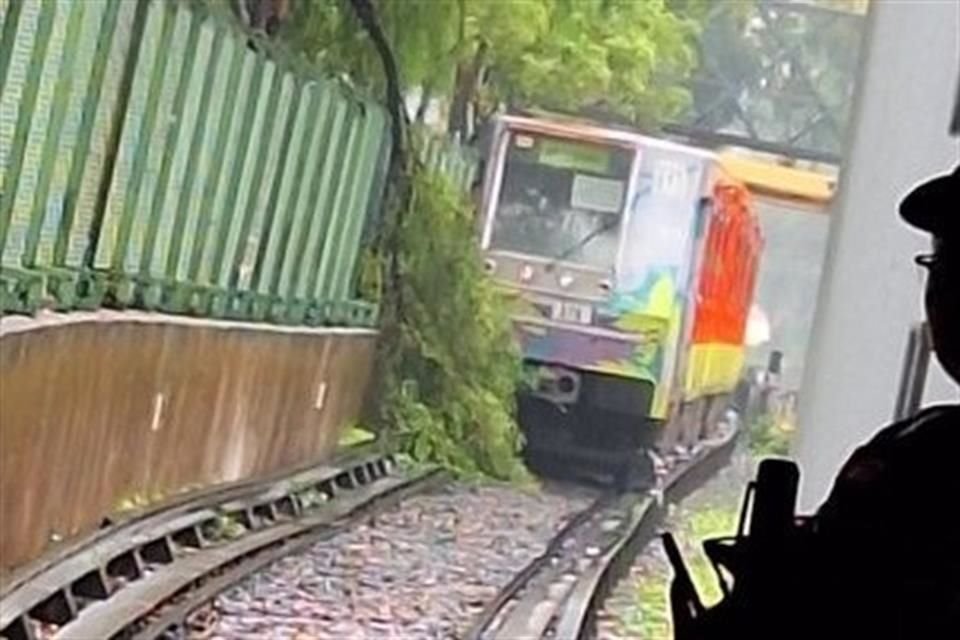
520,580
172,619
83,577
130,612
558,593
578,617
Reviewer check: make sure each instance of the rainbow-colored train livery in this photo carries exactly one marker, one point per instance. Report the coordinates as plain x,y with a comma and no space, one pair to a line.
631,264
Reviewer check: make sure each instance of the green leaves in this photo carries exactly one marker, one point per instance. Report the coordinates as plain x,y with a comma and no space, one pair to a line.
618,52
554,54
451,379
777,73
355,435
770,437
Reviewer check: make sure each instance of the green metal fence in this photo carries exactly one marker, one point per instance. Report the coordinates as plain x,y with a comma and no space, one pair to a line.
152,155
457,162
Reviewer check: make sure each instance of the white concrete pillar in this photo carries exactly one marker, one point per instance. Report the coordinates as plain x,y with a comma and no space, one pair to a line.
871,290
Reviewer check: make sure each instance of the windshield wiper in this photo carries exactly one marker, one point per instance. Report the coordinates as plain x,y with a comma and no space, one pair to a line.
582,242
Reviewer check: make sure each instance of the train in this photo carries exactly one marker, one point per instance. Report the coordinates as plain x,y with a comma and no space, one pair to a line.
629,264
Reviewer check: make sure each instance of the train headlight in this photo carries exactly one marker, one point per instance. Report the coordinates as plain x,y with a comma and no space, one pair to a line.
526,273
566,384
565,280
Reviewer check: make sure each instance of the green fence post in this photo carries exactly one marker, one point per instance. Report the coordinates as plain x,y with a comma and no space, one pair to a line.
143,141
372,219
28,102
374,214
333,168
247,104
325,140
205,215
212,216
9,38
295,209
348,244
88,118
178,298
51,142
117,130
251,107
270,219
338,209
169,146
273,97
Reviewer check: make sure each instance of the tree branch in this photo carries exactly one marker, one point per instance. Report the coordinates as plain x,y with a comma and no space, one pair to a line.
366,14
399,188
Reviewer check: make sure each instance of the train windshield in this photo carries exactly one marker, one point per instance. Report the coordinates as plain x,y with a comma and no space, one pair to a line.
562,199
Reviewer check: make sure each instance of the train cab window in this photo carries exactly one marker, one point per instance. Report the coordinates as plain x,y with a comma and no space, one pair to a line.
562,199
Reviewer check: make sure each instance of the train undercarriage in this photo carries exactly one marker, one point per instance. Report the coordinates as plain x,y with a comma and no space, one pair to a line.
597,427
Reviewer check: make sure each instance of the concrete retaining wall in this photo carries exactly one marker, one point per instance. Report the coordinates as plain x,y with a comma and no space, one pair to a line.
101,408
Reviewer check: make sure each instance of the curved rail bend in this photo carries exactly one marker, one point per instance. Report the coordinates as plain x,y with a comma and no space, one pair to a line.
558,593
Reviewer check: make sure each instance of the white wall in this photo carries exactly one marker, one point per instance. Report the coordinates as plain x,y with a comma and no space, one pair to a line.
794,241
871,290
940,388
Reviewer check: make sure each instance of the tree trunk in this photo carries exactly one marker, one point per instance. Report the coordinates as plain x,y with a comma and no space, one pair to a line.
457,120
398,195
464,93
426,95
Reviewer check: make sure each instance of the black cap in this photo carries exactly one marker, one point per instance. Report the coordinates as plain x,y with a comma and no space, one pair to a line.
934,206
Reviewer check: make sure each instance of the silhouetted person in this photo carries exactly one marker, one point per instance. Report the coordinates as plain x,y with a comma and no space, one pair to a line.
891,525
881,558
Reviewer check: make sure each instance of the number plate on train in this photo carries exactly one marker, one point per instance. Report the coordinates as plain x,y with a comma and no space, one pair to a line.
573,312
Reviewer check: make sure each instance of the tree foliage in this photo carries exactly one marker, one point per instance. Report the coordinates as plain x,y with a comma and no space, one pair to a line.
629,57
447,367
622,54
779,72
452,372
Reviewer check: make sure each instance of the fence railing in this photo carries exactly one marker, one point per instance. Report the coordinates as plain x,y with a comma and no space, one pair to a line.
151,155
158,156
448,157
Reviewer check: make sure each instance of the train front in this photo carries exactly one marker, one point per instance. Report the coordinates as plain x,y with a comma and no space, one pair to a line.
569,233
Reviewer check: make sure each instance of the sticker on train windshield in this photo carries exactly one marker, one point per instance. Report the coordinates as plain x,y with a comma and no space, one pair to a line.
564,154
596,194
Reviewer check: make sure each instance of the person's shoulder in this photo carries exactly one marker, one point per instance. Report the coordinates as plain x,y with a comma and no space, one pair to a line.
912,453
934,423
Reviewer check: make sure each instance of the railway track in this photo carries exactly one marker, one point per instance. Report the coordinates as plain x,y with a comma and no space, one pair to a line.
558,594
141,578
146,576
